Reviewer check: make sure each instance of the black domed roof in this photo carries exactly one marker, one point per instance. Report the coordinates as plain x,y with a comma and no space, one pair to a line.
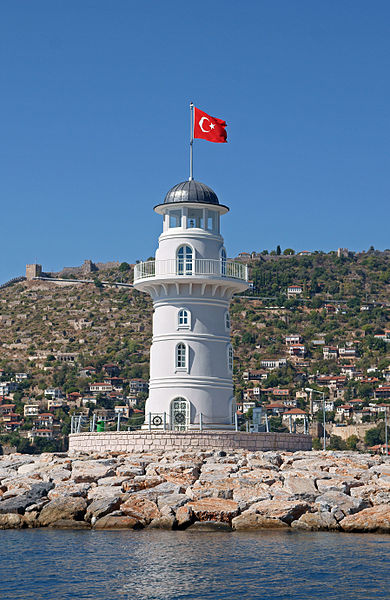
191,191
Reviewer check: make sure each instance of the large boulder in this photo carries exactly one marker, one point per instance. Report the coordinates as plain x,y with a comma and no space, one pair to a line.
11,521
92,470
129,470
300,486
19,504
159,490
252,520
342,502
140,508
69,524
285,510
316,521
184,516
102,507
174,501
69,488
214,509
117,522
163,522
141,482
375,518
181,473
245,496
62,508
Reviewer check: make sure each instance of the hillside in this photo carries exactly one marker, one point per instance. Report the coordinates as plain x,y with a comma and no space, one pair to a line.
338,324
39,318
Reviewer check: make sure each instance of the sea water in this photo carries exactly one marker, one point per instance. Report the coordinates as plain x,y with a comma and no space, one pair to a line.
163,565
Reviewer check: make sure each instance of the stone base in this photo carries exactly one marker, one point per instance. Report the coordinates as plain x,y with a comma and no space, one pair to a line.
142,441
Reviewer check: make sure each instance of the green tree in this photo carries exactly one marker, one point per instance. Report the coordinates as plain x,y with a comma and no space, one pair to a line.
352,442
124,266
336,443
278,250
288,252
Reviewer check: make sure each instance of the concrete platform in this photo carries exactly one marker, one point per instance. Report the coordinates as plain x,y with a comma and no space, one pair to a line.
142,441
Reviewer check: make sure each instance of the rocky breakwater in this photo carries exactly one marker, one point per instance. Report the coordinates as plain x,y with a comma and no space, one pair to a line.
239,490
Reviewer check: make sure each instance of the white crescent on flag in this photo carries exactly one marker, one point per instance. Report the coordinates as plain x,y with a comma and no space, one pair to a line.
201,125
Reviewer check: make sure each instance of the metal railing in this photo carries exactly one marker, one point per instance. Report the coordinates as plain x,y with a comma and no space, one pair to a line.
163,422
199,267
152,421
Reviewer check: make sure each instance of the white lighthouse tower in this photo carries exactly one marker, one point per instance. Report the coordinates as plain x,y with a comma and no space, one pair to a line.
191,283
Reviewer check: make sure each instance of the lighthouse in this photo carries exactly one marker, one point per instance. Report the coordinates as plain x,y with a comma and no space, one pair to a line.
191,283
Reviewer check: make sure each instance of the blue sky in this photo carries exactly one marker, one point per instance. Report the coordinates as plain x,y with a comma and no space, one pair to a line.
95,123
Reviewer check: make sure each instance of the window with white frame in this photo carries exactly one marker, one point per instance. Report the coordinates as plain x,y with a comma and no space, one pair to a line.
181,356
227,321
230,357
184,260
184,319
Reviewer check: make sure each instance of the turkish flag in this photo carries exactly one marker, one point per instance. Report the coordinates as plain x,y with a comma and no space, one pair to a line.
209,128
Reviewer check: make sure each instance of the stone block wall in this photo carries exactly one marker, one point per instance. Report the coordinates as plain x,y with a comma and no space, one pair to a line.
139,441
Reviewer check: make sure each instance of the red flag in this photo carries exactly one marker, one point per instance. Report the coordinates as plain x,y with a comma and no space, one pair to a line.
209,128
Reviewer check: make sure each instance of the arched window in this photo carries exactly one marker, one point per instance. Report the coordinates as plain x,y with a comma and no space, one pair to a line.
227,321
184,260
184,319
223,261
230,358
181,356
179,414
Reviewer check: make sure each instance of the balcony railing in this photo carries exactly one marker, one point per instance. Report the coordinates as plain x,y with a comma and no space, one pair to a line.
200,267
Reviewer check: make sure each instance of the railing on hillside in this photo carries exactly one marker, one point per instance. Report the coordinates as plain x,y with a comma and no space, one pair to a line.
200,267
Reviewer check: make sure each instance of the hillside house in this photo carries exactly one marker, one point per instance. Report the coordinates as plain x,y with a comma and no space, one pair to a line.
273,363
54,404
7,387
294,291
343,412
54,393
347,352
276,408
100,388
254,375
294,414
87,371
21,377
111,370
317,405
138,385
292,339
297,350
330,352
44,421
382,392
41,433
31,410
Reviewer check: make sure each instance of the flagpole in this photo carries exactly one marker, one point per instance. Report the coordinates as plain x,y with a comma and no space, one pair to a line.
191,139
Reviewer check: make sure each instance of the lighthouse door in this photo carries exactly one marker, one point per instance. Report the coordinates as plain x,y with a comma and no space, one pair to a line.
179,414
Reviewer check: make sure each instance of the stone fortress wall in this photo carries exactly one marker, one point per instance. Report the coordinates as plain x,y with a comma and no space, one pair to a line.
137,441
